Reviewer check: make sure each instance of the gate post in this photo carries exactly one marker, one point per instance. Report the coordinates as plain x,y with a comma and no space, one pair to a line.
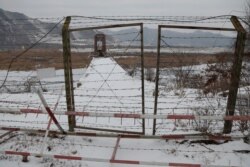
157,77
68,73
142,77
235,72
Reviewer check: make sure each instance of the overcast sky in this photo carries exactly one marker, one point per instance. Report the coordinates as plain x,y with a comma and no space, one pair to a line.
56,8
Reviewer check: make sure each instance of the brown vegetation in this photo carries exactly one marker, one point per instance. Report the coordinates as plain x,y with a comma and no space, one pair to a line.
37,58
175,60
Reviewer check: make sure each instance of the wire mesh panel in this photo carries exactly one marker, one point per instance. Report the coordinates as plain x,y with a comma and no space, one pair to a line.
32,44
193,70
30,59
112,82
193,76
122,82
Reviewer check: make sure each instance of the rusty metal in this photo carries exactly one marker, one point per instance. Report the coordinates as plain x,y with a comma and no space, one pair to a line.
116,148
142,65
235,72
100,50
108,130
105,27
68,72
157,77
158,56
197,28
142,78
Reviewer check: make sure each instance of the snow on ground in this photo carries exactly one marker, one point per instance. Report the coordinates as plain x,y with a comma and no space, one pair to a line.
105,87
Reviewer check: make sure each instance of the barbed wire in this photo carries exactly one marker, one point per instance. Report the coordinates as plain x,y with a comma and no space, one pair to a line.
26,50
173,150
197,37
220,17
138,18
106,19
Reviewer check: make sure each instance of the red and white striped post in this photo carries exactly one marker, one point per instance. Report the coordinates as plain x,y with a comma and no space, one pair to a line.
115,149
139,116
49,123
133,136
49,111
90,159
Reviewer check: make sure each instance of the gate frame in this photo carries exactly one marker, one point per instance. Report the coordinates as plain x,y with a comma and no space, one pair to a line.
69,77
235,70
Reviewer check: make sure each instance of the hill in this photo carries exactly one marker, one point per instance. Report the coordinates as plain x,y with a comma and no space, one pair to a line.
20,31
181,39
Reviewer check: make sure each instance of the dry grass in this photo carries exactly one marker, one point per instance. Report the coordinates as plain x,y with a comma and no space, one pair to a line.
37,58
175,60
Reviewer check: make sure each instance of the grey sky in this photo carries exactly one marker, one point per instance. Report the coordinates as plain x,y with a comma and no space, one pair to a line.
55,8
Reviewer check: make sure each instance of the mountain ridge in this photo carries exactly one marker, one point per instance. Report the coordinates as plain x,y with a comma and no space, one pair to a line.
20,31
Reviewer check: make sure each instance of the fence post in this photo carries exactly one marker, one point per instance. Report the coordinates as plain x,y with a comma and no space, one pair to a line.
235,72
142,77
68,73
157,77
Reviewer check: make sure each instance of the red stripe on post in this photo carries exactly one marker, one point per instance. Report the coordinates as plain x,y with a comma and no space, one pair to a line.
184,165
124,162
116,148
180,117
17,153
127,115
238,117
36,111
67,157
54,119
52,115
173,137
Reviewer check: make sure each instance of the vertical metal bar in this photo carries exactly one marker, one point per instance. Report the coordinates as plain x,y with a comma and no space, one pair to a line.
157,77
142,78
68,72
235,72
